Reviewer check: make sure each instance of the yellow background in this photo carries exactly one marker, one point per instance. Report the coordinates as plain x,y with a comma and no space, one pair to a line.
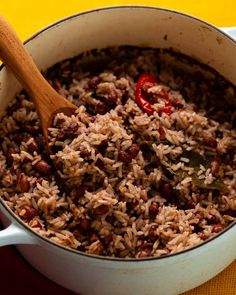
29,16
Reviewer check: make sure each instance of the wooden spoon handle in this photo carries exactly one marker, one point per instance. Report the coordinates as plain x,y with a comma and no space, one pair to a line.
12,52
15,56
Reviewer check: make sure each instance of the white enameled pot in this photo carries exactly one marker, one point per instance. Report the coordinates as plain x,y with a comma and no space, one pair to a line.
87,274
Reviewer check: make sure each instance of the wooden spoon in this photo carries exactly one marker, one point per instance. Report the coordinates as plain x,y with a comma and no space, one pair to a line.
46,100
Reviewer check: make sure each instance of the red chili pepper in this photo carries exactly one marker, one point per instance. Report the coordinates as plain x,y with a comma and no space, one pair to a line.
146,81
143,103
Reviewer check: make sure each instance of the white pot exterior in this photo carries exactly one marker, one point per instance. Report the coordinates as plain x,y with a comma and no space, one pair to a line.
87,275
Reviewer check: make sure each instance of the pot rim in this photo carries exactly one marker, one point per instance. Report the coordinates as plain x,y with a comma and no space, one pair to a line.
108,258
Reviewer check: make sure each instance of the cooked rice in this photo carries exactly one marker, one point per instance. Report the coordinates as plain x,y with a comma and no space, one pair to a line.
156,202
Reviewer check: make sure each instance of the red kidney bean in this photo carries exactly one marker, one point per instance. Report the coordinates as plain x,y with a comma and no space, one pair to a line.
191,204
81,191
84,225
215,167
18,138
216,228
197,228
146,245
93,237
40,142
130,205
61,134
71,130
101,165
33,147
23,183
153,209
210,141
33,130
103,144
42,167
124,157
84,153
101,108
107,239
58,163
152,233
111,219
147,152
113,96
73,126
101,210
133,150
211,220
166,190
94,81
30,213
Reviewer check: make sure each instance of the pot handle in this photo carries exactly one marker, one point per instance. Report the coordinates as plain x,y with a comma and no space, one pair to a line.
13,234
230,31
